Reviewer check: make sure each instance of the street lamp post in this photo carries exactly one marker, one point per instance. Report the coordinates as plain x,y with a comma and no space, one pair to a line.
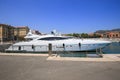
1,37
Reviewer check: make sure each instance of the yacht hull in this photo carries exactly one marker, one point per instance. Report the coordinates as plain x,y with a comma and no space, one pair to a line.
73,46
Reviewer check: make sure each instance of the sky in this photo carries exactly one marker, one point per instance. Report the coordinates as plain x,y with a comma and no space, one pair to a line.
66,16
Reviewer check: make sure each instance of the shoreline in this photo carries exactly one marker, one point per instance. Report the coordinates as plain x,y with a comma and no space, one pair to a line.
106,57
106,39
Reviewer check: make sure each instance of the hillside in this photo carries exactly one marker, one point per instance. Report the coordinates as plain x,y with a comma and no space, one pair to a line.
103,31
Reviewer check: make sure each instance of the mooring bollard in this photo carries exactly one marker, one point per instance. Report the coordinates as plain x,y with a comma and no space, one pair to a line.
33,47
64,46
19,48
50,49
79,45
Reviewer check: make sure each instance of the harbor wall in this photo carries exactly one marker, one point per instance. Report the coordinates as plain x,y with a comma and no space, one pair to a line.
4,46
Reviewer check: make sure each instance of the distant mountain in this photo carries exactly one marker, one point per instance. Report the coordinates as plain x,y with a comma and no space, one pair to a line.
104,31
116,29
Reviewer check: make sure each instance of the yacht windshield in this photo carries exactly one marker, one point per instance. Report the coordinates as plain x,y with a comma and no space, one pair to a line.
53,38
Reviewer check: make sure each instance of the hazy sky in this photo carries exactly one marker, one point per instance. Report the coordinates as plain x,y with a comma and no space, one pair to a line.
66,16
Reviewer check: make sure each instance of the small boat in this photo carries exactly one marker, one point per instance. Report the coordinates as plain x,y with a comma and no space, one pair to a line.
40,43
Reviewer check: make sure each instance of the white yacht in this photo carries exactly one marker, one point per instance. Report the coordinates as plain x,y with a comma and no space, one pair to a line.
58,42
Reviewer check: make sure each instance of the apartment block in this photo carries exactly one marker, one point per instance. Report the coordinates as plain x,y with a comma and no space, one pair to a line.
11,33
20,32
6,32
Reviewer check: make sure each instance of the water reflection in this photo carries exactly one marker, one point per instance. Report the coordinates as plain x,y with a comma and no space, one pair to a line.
113,48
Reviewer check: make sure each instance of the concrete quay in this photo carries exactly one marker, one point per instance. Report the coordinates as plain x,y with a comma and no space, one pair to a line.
15,66
106,57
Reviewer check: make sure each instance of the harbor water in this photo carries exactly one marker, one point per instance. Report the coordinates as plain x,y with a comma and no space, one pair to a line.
113,48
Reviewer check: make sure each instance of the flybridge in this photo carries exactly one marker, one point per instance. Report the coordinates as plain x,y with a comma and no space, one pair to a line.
32,36
54,32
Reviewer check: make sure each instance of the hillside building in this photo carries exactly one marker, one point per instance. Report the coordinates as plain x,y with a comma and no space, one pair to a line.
115,34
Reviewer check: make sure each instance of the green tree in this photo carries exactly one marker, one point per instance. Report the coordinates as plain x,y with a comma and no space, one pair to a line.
84,35
76,35
69,34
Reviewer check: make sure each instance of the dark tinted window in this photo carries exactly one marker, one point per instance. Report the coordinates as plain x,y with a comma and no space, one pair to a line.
52,38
